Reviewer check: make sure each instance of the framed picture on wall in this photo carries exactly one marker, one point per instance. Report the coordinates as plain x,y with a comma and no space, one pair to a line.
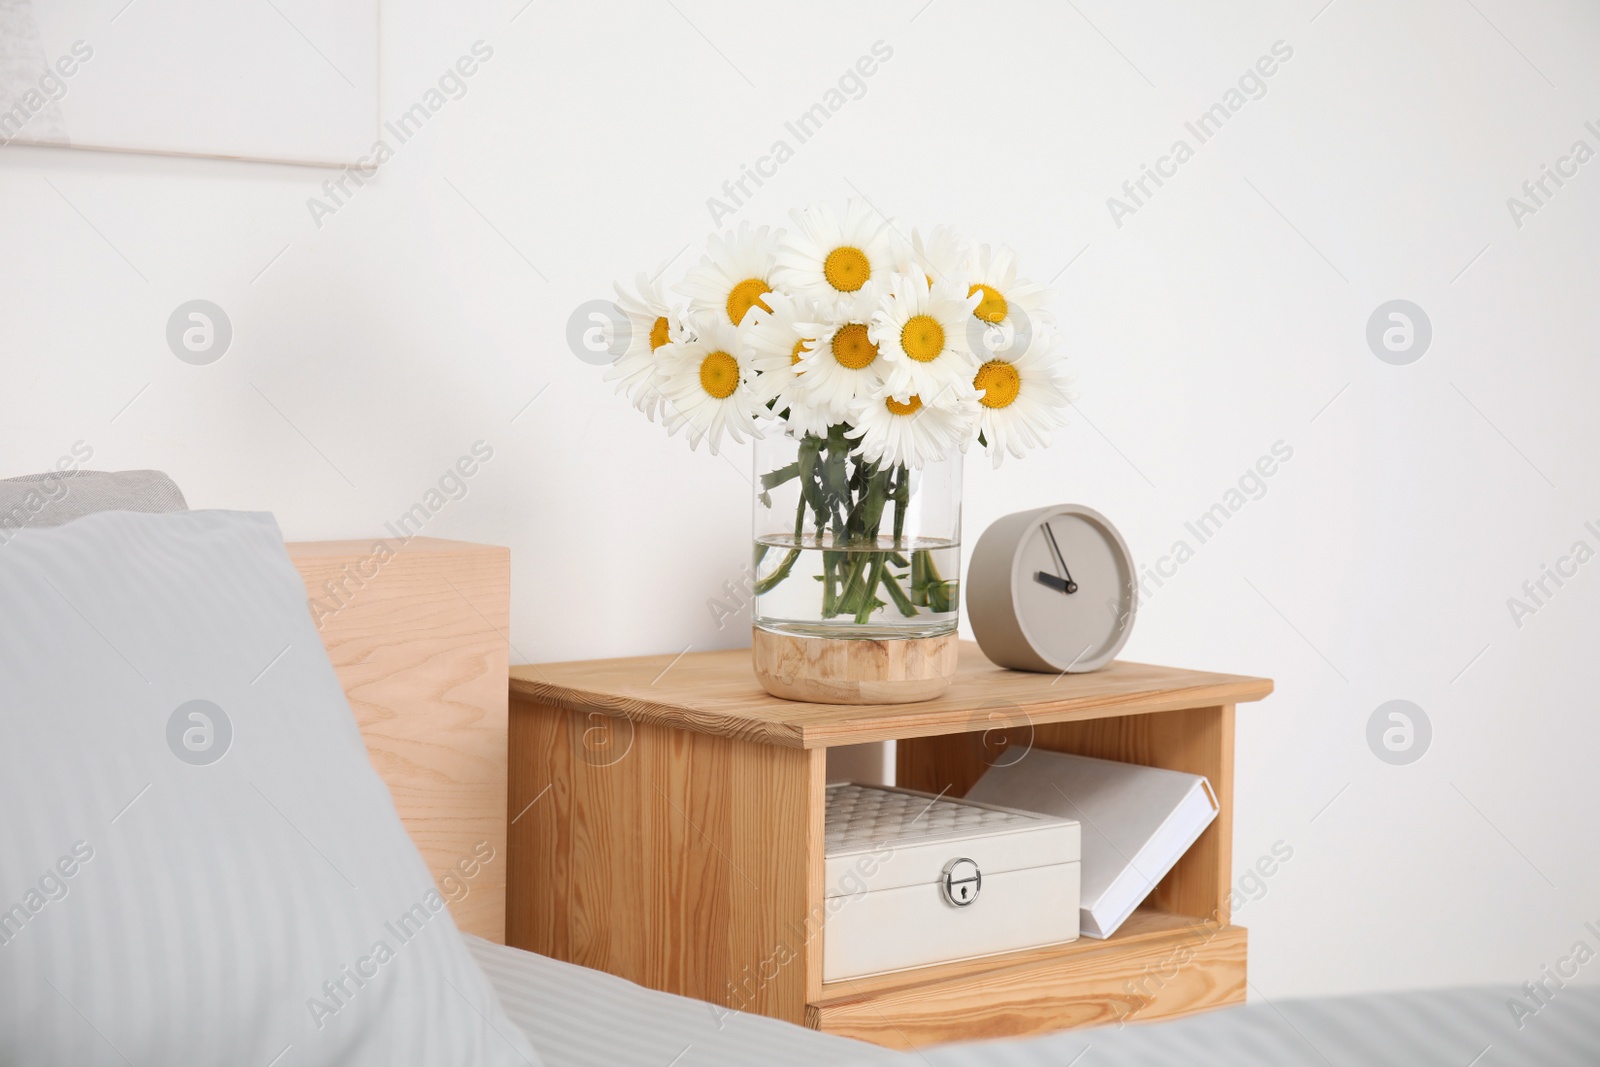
292,81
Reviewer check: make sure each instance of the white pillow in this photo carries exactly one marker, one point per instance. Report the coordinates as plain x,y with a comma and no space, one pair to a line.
218,883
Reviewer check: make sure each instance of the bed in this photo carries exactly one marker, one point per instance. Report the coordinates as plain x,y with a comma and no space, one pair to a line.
576,1016
416,635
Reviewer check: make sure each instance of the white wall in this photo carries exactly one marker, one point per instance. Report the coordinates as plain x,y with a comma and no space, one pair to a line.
425,314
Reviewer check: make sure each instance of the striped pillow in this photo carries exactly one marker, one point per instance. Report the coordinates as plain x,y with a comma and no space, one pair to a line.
198,864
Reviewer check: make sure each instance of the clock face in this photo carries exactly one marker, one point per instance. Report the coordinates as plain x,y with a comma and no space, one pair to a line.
1073,589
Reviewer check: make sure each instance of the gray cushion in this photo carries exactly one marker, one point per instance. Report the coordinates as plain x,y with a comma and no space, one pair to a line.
56,497
198,863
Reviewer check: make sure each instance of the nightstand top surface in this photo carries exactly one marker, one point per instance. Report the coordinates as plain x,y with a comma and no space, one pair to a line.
717,693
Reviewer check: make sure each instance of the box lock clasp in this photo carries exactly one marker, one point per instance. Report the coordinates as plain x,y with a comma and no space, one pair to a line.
961,882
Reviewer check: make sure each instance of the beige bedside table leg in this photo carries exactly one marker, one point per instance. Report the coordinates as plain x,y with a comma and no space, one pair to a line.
685,862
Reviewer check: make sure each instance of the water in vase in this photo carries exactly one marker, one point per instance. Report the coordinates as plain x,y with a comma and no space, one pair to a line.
866,589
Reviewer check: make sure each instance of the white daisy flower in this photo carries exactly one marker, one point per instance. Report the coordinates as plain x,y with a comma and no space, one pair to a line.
802,416
704,384
653,328
734,277
843,364
1010,310
943,256
1022,398
910,433
778,342
922,335
829,261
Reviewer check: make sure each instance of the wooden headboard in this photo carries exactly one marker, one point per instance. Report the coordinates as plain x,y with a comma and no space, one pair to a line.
417,633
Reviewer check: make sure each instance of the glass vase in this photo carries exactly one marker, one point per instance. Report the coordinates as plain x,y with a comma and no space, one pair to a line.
850,551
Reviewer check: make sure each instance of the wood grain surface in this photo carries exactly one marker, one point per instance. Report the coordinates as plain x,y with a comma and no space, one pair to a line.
667,820
717,693
678,860
417,635
1087,983
836,671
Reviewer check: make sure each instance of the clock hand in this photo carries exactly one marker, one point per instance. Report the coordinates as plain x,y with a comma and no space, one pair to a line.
1065,585
1060,585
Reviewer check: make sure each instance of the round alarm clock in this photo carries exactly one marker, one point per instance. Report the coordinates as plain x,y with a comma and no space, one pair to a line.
1051,590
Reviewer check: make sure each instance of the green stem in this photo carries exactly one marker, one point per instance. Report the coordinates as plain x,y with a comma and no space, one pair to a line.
847,498
810,485
773,479
770,582
803,468
942,595
836,479
871,603
855,587
869,514
830,584
901,601
902,500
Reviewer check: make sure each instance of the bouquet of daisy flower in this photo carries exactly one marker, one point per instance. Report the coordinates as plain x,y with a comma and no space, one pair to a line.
874,359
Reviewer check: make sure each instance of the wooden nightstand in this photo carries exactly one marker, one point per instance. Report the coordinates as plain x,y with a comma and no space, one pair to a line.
666,826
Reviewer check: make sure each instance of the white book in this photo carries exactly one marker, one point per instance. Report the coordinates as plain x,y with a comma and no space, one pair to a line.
1137,822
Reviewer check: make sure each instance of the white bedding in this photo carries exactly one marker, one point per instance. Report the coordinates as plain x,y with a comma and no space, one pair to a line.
575,1016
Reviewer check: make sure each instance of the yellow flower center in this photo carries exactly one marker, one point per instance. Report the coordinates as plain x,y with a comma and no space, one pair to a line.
746,295
852,347
999,382
719,375
798,352
847,269
992,308
922,338
660,333
910,407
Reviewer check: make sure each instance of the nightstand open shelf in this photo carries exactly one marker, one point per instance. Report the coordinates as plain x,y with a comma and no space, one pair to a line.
667,822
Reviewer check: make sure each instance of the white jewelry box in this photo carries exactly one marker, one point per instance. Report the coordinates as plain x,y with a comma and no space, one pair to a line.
913,879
